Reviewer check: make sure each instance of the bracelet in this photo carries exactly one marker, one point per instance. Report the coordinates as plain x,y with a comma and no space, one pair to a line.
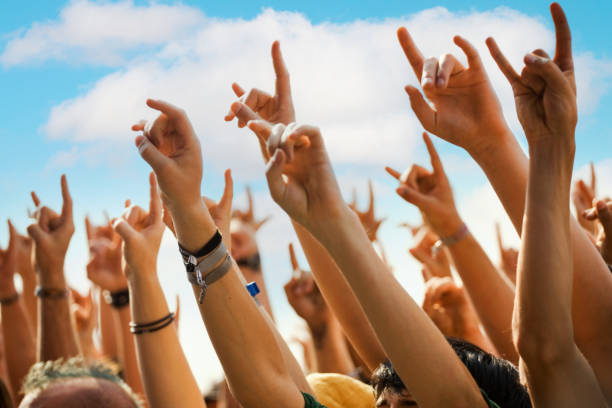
51,293
210,246
452,239
139,328
216,263
251,262
117,299
9,300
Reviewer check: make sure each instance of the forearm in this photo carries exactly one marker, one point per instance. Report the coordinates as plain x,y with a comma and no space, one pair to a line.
399,322
490,293
108,329
507,168
174,385
128,360
28,278
57,337
341,299
330,348
251,275
544,291
238,331
19,344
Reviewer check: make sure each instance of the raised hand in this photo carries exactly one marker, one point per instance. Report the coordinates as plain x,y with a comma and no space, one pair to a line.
305,298
85,315
465,110
300,176
447,305
545,92
508,256
8,265
171,147
257,104
435,262
141,232
248,217
104,266
367,218
51,235
431,193
602,211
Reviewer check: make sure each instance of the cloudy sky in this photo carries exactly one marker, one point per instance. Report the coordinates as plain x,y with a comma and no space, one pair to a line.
75,75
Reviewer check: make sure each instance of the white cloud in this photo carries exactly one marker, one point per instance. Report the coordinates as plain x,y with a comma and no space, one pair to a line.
100,32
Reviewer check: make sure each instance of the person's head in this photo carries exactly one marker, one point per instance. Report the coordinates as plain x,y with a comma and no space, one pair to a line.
498,378
74,384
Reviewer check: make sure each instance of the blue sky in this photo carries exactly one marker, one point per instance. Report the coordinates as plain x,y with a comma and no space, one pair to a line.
48,103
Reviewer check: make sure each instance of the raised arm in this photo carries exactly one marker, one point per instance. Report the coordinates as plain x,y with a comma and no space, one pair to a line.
25,268
166,375
302,182
104,270
330,348
237,329
557,373
491,293
467,113
17,333
51,236
333,286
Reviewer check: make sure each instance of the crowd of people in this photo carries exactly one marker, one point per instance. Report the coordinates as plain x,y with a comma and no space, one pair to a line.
532,331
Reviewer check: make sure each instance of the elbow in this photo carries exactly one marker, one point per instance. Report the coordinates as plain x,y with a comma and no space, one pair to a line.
543,348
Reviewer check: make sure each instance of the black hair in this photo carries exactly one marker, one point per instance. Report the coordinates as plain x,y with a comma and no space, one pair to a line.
495,376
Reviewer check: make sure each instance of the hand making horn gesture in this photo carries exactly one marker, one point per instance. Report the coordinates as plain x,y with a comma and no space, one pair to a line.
248,217
545,91
508,256
582,197
51,235
464,106
104,266
257,104
367,217
304,296
431,193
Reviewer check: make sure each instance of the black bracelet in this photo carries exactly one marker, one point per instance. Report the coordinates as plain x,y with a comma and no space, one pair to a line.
143,325
51,293
251,262
139,329
210,246
117,299
9,300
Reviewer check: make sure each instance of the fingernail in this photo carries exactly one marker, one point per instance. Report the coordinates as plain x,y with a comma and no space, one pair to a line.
402,190
440,82
427,82
534,59
142,146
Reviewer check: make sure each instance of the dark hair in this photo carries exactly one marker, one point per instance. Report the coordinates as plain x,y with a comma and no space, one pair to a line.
497,377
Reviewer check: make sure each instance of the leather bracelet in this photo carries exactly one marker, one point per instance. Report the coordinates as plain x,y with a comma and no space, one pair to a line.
252,262
117,299
9,300
211,268
51,293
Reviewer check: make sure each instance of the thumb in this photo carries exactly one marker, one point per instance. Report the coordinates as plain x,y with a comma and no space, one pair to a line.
274,174
125,230
150,153
36,232
605,217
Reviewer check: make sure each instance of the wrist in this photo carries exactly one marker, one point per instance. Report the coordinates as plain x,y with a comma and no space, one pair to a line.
52,277
448,226
194,226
